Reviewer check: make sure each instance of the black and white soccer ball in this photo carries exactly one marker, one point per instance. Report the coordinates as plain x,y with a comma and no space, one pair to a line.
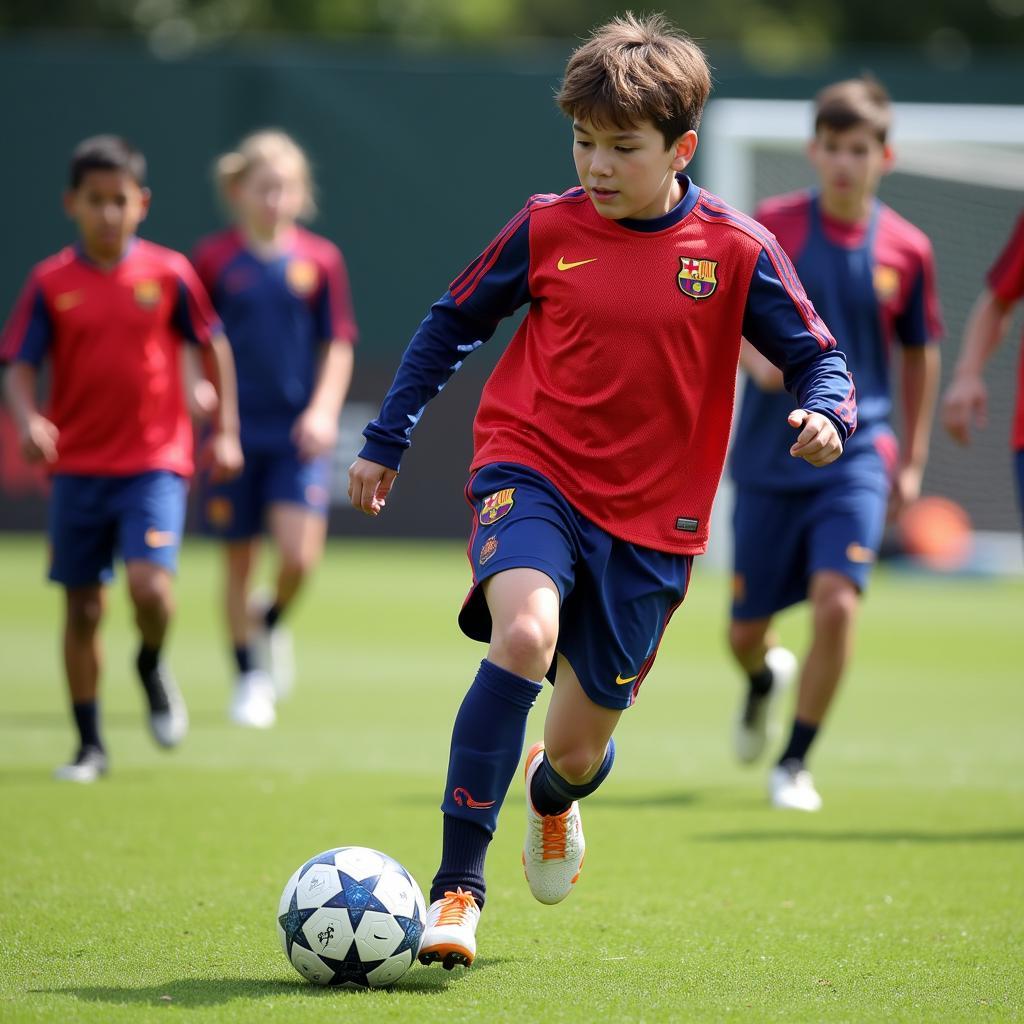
351,917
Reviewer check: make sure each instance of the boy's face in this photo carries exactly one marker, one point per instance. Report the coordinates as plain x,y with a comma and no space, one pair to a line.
850,163
270,196
108,207
628,172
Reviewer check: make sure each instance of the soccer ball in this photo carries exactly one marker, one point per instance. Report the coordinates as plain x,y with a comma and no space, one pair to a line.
351,917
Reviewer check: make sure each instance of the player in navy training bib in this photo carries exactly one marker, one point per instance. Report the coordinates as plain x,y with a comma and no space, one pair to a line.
283,295
806,535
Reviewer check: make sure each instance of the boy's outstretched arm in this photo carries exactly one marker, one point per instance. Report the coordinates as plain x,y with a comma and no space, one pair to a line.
223,450
37,435
492,287
965,403
920,386
780,322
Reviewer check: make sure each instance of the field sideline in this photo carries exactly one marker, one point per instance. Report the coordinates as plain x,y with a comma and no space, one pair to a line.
153,893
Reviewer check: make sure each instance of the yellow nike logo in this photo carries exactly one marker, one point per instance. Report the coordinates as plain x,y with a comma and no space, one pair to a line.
619,681
562,265
160,538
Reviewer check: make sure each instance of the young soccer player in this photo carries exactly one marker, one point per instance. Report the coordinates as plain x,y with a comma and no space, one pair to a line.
283,295
110,314
965,403
802,535
599,443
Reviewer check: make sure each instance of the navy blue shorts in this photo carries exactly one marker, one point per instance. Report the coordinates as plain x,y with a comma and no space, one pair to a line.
94,517
783,537
236,509
616,597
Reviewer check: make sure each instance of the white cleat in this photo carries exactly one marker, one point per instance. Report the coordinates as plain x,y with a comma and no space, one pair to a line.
89,764
554,847
755,725
272,649
252,704
449,936
791,787
168,715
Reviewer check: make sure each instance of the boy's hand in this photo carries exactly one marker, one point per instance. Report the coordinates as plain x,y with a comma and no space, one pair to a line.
202,400
39,439
223,456
314,434
965,405
369,485
906,489
818,442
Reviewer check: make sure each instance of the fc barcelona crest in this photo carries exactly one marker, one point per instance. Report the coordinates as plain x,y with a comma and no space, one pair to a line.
302,277
496,506
697,277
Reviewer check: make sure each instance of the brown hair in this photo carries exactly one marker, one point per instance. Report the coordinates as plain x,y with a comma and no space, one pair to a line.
637,69
853,102
264,147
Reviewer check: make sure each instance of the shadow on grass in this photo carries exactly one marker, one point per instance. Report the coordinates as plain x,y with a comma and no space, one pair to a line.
866,836
216,991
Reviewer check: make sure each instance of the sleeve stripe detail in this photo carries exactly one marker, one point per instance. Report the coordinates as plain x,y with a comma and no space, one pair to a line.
465,284
782,264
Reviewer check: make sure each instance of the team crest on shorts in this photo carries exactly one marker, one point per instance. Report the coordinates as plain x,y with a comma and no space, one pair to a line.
487,551
147,293
697,277
496,506
219,511
302,276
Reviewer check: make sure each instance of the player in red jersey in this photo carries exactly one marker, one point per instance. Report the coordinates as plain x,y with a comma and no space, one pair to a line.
109,315
965,403
801,535
599,443
283,295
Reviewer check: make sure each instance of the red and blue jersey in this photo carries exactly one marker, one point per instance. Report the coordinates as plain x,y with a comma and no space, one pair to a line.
874,285
1006,279
112,338
619,383
277,314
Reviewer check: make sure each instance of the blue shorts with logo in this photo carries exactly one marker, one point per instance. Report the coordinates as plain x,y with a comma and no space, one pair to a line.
783,537
236,509
94,517
616,597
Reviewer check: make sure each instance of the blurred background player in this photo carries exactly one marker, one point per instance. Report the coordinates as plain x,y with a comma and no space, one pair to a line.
965,403
283,295
599,443
109,314
805,535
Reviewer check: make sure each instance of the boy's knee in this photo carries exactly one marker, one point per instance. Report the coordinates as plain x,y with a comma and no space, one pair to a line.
84,612
576,764
835,607
150,589
527,641
296,564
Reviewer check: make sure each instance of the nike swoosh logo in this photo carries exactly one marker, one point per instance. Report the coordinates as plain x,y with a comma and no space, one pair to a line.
159,538
619,681
562,265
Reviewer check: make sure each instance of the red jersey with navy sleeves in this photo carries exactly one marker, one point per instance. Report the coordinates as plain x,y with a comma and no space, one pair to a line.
874,285
113,340
619,384
1006,279
277,313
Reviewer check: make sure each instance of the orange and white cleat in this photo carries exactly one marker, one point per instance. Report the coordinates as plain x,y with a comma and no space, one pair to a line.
450,933
554,848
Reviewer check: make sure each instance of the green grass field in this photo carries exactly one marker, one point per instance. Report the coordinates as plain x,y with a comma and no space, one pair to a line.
153,893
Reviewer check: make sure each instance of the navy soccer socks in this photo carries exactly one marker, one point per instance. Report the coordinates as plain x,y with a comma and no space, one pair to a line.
551,794
87,722
800,741
487,742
